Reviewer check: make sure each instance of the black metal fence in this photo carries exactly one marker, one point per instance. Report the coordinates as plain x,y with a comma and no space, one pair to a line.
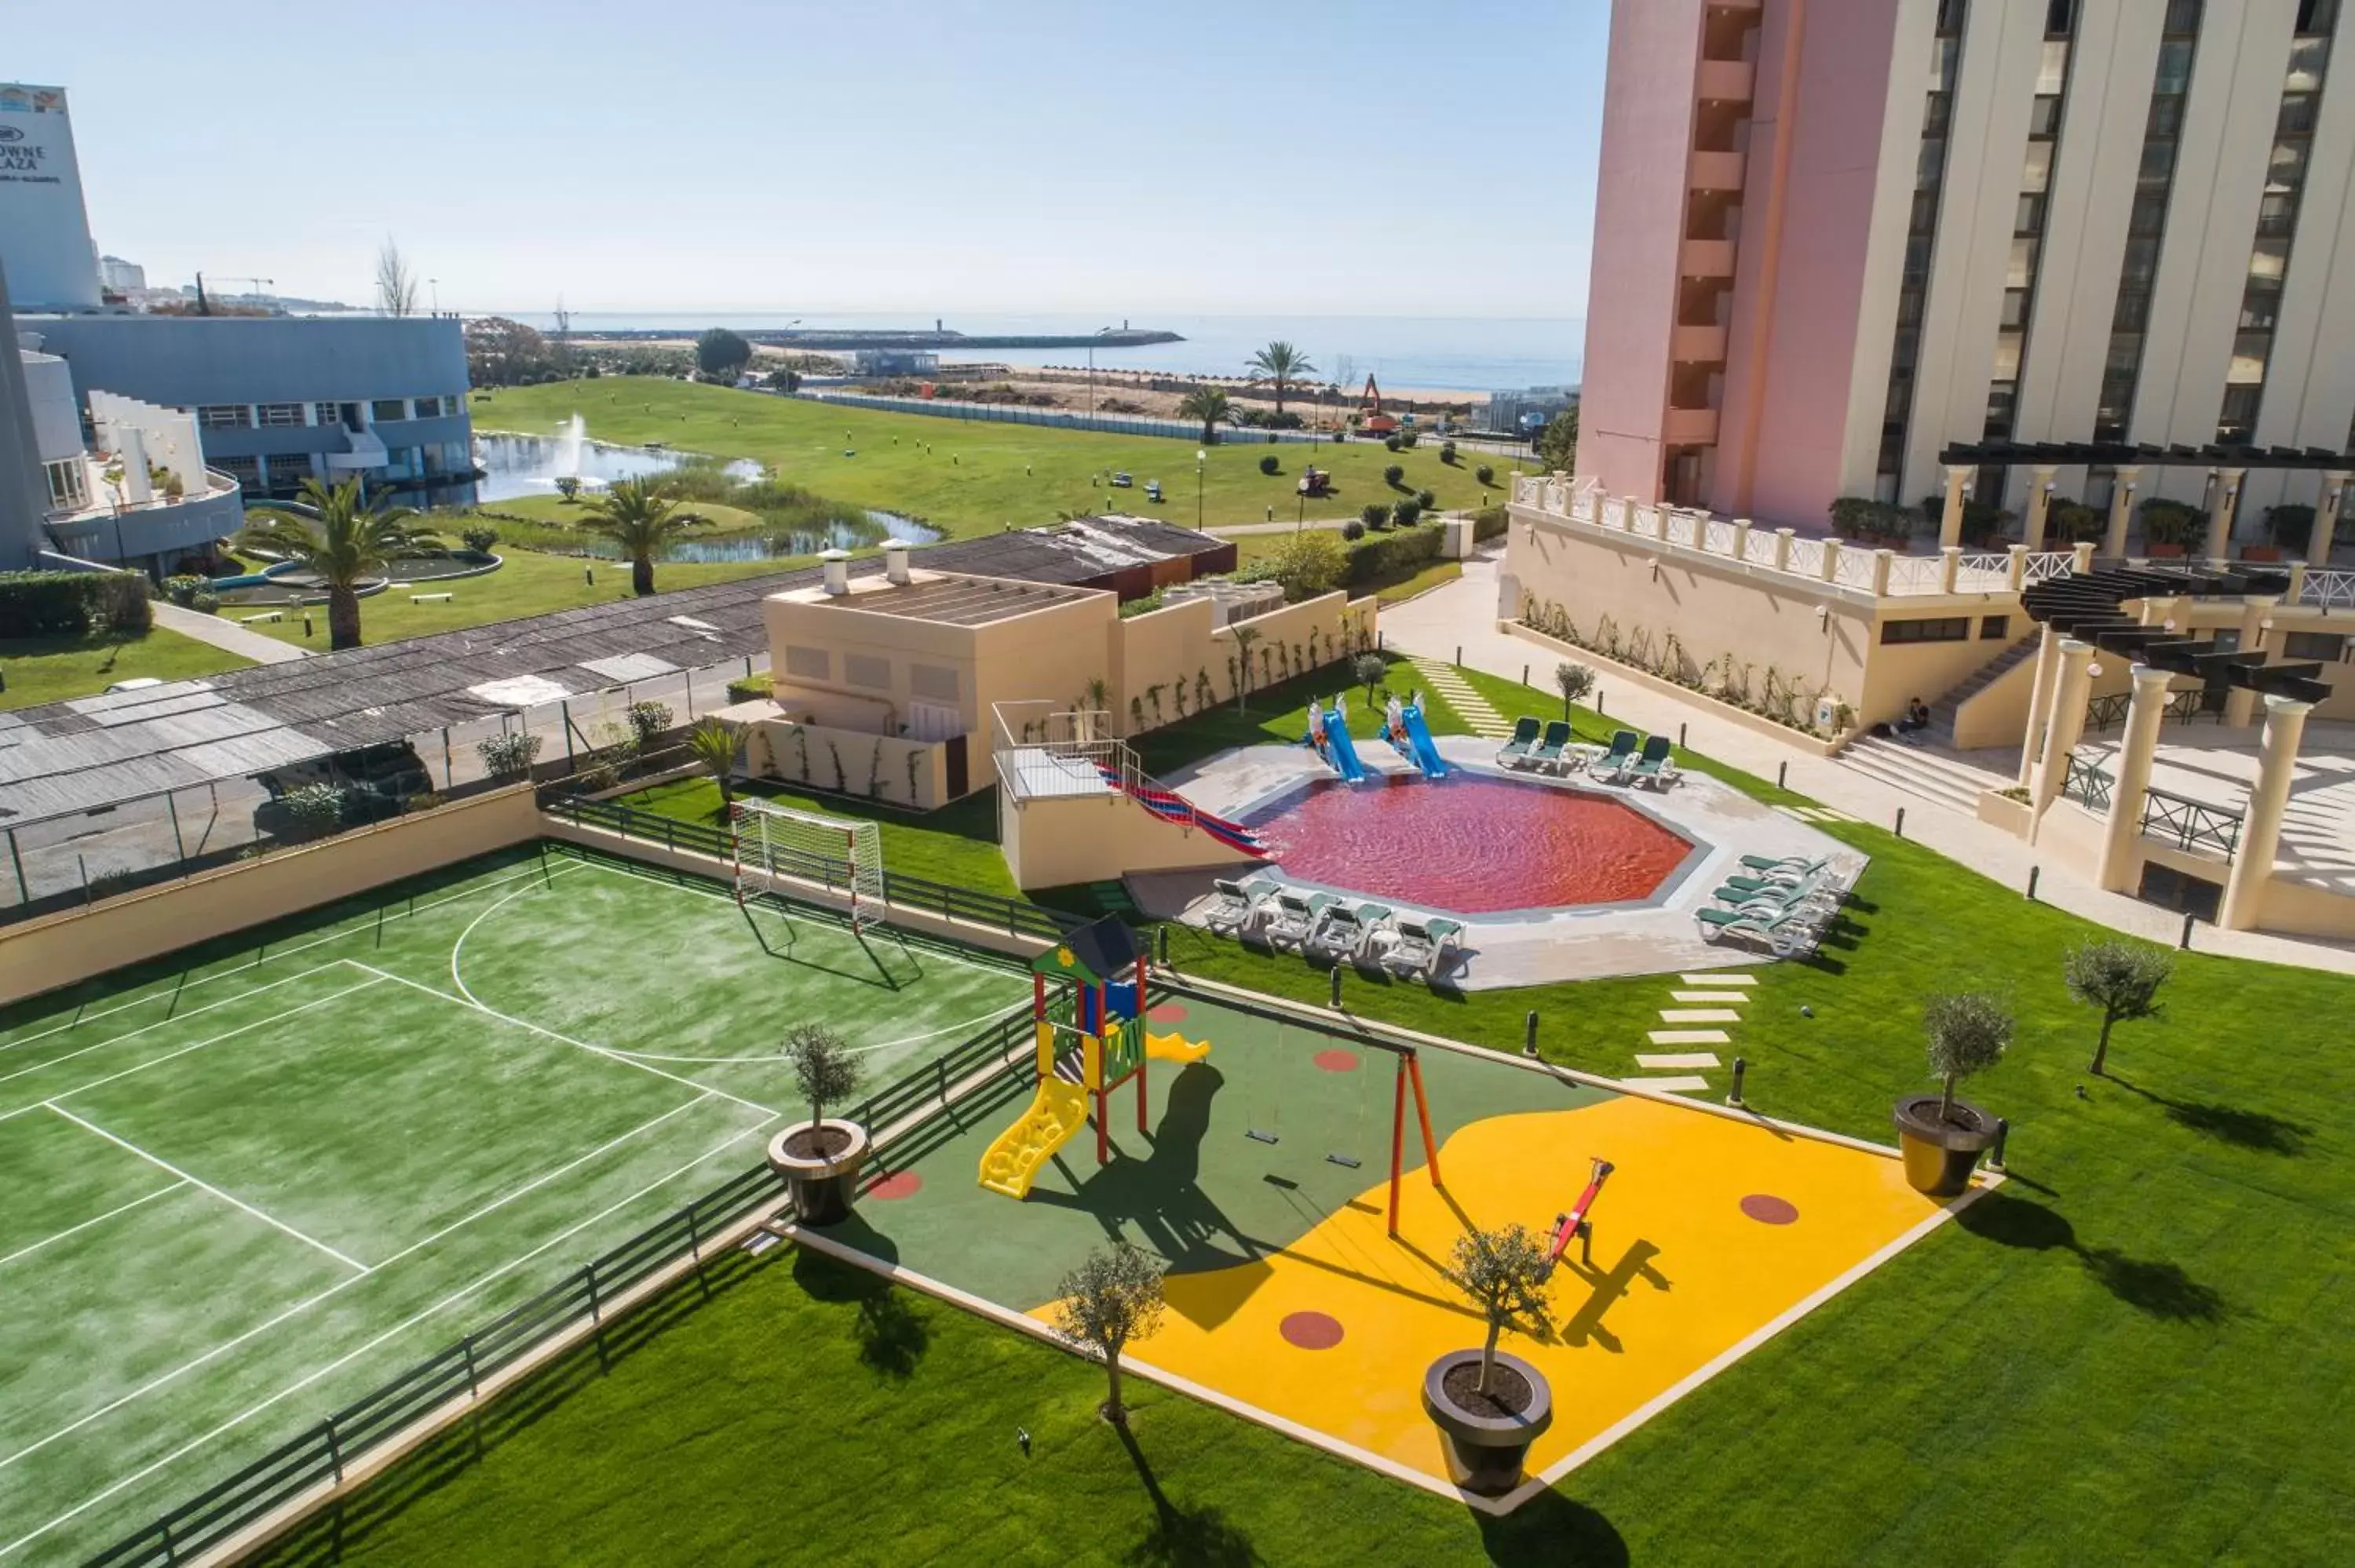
324,1452
900,890
2085,782
2109,712
2190,825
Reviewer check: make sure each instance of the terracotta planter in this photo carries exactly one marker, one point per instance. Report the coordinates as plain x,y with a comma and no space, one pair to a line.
1485,1452
823,1185
1941,1155
2261,552
2158,552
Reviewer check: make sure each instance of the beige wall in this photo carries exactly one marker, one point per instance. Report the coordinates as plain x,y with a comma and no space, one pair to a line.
1050,656
775,749
1182,643
1051,842
42,955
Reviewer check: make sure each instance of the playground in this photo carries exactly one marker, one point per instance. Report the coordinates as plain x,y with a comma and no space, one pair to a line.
1305,1179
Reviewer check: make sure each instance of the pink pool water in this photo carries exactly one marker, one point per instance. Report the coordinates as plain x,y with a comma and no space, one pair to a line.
1469,843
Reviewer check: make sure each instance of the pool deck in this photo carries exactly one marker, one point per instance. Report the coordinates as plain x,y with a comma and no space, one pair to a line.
1537,946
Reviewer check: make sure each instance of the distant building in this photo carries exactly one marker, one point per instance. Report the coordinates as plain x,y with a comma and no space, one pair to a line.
117,276
44,227
1524,409
280,400
895,362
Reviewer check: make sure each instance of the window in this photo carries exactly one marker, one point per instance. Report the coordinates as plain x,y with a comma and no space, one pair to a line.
68,484
246,471
1995,628
434,407
809,663
1944,629
385,408
278,416
867,669
226,416
2044,115
323,414
2329,647
287,470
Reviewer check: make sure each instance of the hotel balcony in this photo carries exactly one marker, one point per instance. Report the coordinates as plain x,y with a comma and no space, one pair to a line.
1698,344
109,529
1717,171
1726,82
1689,427
1706,258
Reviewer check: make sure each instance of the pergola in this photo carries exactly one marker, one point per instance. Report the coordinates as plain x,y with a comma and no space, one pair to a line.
2228,464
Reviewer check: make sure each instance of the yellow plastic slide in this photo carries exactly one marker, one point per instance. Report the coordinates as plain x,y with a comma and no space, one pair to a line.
1059,1109
1176,1048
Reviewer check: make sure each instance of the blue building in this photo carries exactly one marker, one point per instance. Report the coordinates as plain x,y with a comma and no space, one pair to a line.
280,400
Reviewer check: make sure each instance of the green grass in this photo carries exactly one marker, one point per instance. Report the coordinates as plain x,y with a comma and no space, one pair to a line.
2135,1351
568,522
51,669
978,475
528,584
385,1163
1389,587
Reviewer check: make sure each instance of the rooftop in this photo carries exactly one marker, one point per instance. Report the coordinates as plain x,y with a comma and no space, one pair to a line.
951,601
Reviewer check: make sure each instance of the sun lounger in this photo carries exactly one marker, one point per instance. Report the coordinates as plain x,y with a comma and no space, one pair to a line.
1623,751
1516,751
1786,866
1236,906
1295,917
1424,945
1548,752
1814,897
1342,931
1789,934
1646,769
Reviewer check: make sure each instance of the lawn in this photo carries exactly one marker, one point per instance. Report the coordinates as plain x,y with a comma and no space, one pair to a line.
528,584
2134,1352
1389,587
965,476
51,669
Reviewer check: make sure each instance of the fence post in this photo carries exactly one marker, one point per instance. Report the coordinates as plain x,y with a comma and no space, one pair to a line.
474,1381
942,1063
693,1236
24,892
596,1308
180,843
335,1451
448,777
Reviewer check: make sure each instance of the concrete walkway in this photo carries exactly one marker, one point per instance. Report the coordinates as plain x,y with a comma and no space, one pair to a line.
1463,614
227,635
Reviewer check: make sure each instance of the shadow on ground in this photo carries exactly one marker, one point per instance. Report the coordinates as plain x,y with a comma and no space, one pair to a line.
2155,1286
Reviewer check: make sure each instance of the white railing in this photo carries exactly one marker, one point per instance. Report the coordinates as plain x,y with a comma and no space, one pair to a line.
1716,538
1682,530
2327,591
1854,568
1806,557
1981,563
1759,550
2046,564
1910,574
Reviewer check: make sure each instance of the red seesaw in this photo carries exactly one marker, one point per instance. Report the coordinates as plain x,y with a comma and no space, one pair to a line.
1574,1223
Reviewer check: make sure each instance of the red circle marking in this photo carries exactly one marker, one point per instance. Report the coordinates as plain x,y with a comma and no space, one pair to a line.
899,1184
1167,1012
1769,1210
1311,1330
1337,1060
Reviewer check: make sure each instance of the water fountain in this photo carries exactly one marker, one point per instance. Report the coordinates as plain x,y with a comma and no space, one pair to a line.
568,437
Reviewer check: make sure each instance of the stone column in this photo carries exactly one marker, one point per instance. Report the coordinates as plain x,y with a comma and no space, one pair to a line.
1783,548
2113,543
1831,560
2065,728
2220,521
2015,566
1882,561
2039,503
2032,745
1950,567
1950,526
2240,702
2252,862
2325,515
2144,713
1741,538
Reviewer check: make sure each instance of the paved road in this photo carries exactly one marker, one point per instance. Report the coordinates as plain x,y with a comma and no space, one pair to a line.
227,635
1462,614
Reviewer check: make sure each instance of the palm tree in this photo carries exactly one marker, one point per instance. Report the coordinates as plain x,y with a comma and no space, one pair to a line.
1282,366
1211,406
346,542
640,517
713,745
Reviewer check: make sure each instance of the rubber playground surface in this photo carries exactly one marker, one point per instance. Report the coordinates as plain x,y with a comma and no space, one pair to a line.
249,1184
1286,1296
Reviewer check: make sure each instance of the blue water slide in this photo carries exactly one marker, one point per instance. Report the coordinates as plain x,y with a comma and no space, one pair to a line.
1339,750
1418,738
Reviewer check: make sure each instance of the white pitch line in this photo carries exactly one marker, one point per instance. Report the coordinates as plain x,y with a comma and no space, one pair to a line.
99,1220
176,987
168,1055
310,1377
607,1051
165,1022
774,1058
234,1201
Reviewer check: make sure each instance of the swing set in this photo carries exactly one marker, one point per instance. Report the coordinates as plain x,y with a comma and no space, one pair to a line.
1406,1077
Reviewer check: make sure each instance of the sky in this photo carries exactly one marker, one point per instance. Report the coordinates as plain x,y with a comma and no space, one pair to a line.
900,155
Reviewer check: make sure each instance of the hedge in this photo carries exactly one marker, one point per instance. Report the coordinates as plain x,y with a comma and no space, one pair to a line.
48,604
1489,523
1393,553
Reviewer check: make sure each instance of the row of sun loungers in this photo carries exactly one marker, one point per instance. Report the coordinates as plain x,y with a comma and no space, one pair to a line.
1783,905
1629,759
1329,926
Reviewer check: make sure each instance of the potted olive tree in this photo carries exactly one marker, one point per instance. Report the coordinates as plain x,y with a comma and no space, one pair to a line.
1941,1136
1491,1406
820,1158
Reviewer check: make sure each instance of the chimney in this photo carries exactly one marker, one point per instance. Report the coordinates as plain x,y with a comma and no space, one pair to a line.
895,559
838,570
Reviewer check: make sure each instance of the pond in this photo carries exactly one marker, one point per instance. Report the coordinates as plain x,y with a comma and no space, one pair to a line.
519,465
778,544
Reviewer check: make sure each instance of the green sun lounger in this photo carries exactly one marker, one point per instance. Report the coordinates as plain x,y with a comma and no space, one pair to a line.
1549,753
1786,866
1646,769
1623,751
1516,751
1237,905
1423,943
1787,934
1296,915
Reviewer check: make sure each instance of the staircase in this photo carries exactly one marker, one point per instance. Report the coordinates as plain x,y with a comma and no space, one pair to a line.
1943,711
1937,774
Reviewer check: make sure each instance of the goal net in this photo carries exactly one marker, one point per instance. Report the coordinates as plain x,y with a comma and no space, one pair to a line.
843,853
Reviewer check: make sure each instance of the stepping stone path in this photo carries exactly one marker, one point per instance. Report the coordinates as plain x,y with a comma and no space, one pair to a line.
1815,813
1727,992
1452,688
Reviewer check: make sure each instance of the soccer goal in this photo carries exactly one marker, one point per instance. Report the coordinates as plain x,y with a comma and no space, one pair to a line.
839,851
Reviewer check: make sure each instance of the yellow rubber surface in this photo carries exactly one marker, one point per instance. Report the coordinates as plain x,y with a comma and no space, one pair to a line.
1681,1272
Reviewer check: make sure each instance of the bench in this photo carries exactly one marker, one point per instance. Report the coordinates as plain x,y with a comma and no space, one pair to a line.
431,597
265,615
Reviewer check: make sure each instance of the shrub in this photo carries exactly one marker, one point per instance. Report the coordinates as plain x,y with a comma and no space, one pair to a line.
1425,499
1339,433
1269,464
204,601
1369,669
509,755
1308,564
567,487
1490,523
2072,522
182,589
2122,978
745,688
1448,451
648,720
1407,513
1861,517
1486,473
1373,513
1407,440
1391,443
1393,555
1353,530
2166,522
122,604
2289,525
313,809
48,604
479,538
1392,474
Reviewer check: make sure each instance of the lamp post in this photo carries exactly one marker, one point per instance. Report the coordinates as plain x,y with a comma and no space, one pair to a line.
1092,368
1201,456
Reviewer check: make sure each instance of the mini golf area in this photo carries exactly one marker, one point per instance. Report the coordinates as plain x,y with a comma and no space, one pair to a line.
1288,1298
252,1182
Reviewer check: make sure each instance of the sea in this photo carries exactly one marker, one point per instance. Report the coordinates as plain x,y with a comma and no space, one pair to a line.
1455,354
